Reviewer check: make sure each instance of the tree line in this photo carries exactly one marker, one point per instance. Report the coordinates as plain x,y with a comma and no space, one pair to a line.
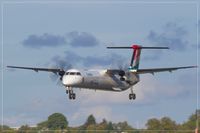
58,123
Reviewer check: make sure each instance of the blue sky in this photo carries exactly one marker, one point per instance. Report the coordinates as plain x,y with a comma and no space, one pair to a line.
39,34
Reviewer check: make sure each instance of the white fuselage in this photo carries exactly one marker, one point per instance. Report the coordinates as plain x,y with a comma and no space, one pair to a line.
105,82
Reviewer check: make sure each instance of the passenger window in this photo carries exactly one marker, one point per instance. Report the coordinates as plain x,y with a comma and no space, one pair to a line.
73,73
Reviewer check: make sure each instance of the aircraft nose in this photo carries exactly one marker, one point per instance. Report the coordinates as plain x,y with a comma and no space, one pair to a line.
71,80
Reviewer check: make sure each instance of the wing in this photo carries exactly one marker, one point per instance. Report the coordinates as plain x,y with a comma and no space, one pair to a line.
155,70
38,69
145,71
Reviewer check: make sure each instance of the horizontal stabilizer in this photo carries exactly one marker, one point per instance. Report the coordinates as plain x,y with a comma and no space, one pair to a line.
136,53
137,47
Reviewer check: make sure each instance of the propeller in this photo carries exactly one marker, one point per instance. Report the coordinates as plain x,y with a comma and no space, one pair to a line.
123,68
63,66
124,76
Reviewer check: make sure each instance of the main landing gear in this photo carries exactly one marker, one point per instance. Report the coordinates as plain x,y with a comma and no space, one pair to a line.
132,96
72,95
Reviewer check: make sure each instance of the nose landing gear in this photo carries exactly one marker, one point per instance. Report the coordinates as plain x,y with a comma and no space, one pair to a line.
132,96
69,91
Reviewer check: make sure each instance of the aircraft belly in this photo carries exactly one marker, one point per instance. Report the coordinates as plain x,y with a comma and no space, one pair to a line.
98,83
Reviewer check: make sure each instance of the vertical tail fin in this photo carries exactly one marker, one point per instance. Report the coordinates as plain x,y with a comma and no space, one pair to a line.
135,60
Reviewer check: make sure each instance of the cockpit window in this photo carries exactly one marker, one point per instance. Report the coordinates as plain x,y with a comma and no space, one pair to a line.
78,73
73,73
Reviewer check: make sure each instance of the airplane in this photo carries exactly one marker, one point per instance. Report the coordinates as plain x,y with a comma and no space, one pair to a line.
115,80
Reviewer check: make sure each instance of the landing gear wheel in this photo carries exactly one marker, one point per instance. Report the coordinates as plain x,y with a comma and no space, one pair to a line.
130,96
70,96
74,96
133,96
70,93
